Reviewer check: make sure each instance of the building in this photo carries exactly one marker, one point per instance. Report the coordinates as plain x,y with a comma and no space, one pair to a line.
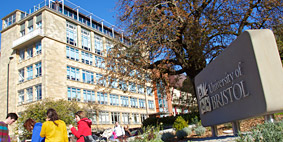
56,50
174,101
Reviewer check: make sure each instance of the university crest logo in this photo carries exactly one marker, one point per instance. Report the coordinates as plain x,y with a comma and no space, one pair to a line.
204,100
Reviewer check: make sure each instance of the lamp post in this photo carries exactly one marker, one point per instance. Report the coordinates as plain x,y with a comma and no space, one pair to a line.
8,69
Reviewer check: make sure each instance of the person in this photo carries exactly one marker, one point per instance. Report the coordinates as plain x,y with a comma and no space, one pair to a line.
84,126
4,131
127,131
54,130
119,130
113,137
35,128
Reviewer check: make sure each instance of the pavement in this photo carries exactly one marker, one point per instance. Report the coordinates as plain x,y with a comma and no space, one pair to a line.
224,138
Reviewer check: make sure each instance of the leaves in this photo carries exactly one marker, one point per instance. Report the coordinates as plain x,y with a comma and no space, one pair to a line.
186,33
37,111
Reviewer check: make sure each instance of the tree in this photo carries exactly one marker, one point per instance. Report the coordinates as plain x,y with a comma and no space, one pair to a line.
37,111
169,37
278,31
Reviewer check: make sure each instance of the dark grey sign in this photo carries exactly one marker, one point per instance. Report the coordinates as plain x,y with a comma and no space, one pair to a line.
245,80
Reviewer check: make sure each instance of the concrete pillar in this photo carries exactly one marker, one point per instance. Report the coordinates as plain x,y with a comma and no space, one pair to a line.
214,131
269,118
236,127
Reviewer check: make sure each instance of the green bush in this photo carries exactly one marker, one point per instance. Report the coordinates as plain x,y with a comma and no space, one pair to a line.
151,134
167,137
180,123
200,130
184,133
267,132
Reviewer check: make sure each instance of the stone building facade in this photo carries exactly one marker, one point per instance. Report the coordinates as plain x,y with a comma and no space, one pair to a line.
57,52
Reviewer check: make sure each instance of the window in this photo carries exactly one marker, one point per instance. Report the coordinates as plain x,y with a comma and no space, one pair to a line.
74,94
115,117
149,91
100,80
22,75
102,98
22,30
71,34
135,118
86,39
72,53
21,96
113,82
87,58
38,91
29,52
98,44
140,89
124,101
30,25
134,102
123,86
150,104
89,96
132,87
38,69
126,118
73,73
114,100
10,20
88,77
92,116
143,117
99,62
38,21
38,48
29,73
109,45
22,55
142,103
103,117
29,94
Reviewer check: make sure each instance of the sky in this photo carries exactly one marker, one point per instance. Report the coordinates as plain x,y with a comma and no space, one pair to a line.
101,8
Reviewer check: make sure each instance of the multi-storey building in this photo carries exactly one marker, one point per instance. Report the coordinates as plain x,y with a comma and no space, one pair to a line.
57,51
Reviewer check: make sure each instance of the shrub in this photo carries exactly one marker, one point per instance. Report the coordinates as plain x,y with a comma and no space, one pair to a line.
267,132
180,123
151,134
183,133
167,137
200,130
191,117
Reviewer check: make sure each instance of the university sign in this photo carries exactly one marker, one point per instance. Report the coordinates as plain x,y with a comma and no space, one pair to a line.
245,80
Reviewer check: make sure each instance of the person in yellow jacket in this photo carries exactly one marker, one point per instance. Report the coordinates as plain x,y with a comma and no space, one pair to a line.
54,130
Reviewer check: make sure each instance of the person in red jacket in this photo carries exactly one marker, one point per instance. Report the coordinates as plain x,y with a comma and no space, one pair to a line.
84,126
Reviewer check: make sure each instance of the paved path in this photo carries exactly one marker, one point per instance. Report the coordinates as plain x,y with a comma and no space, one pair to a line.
226,138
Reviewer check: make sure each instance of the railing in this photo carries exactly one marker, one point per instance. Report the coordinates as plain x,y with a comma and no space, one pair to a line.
61,7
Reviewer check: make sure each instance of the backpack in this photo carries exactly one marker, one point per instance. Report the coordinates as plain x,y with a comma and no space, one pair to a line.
91,138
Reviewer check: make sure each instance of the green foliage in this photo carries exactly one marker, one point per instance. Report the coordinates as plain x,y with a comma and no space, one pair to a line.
180,123
267,132
167,137
184,133
191,117
151,134
200,130
37,111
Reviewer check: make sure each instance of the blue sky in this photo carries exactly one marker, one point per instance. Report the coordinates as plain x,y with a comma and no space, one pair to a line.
101,8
